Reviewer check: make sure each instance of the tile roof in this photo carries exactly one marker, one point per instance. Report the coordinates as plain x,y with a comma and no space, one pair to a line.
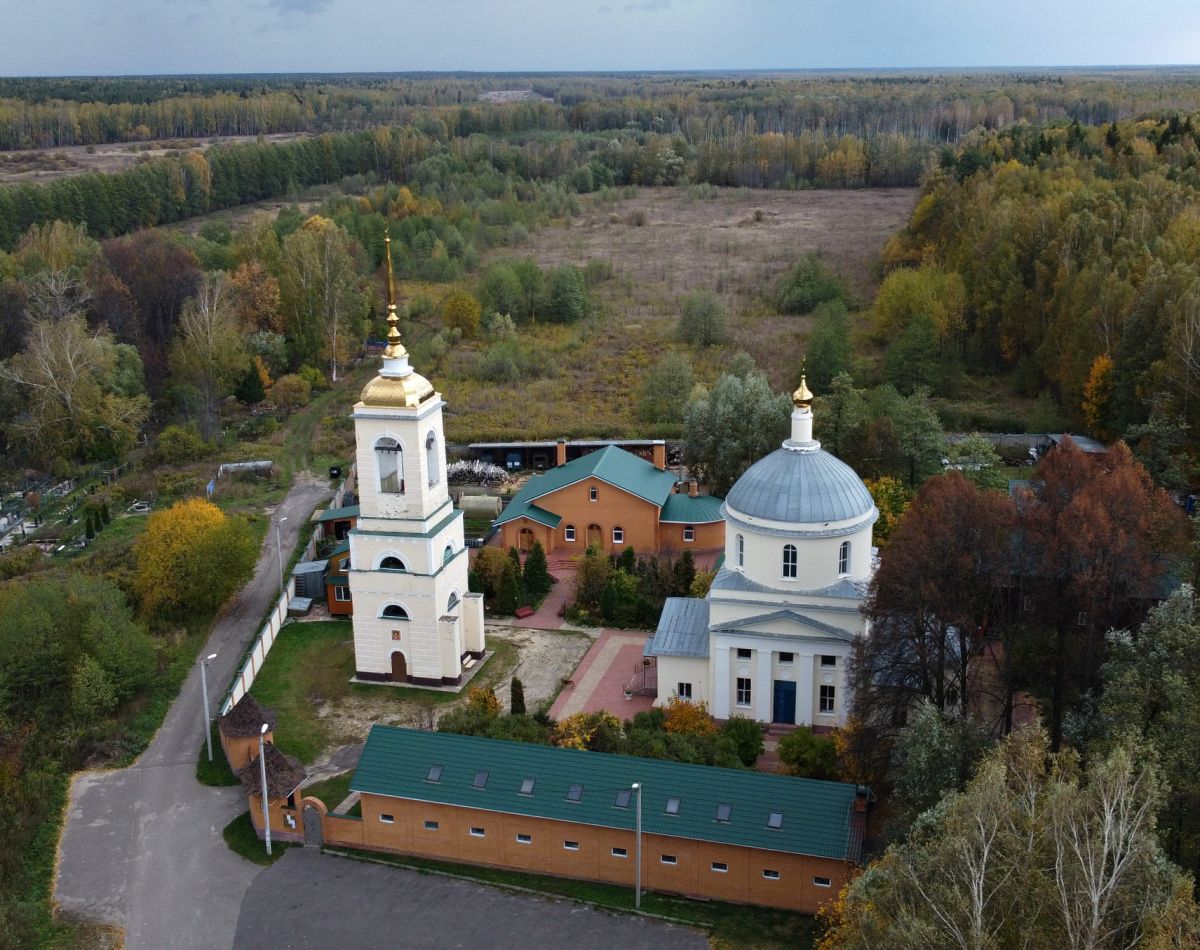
246,718
682,508
609,464
817,816
682,629
284,774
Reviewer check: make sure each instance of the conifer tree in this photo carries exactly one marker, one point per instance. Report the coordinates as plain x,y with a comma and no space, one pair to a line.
537,576
517,706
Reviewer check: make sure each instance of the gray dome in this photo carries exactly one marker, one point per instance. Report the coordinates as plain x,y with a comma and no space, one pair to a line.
801,488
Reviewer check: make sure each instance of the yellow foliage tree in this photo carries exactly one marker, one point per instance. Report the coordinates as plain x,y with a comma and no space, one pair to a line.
462,311
892,499
1097,394
483,699
687,718
579,730
191,557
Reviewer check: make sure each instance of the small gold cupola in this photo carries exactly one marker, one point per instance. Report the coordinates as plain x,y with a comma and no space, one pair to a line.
802,417
397,386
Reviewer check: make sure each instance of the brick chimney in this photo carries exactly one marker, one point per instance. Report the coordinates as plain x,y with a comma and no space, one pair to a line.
560,452
693,489
658,454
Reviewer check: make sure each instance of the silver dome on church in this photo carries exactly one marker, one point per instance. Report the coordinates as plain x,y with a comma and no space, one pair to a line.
800,487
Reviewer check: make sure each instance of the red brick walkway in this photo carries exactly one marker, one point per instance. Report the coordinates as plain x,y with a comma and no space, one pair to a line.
599,681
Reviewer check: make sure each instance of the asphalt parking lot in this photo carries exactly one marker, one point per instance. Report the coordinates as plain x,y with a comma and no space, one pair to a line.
313,900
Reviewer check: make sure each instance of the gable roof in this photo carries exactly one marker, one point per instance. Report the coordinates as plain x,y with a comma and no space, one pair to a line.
682,508
817,816
619,468
682,629
792,616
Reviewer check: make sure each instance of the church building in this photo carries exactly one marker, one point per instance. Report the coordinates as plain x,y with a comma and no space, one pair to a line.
772,638
414,619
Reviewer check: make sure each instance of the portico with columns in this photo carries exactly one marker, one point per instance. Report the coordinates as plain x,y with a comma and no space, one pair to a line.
772,639
415,620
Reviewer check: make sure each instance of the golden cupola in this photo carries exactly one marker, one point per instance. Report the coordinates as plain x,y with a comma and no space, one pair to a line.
398,385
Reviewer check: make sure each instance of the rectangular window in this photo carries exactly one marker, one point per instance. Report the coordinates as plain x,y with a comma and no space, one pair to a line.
743,691
775,819
622,799
724,811
570,845
689,533
618,535
770,875
480,780
828,660
524,839
570,532
720,867
434,774
575,793
828,698
341,595
672,806
620,852
786,657
527,786
593,494
790,560
744,654
684,690
477,832
386,819
431,826
668,859
822,882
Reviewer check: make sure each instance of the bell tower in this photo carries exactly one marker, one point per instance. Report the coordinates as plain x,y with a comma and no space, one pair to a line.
414,619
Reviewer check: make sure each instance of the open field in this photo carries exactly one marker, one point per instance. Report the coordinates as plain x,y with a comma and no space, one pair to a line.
663,243
42,165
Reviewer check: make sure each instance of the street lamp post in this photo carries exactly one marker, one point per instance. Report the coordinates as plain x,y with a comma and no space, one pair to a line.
637,851
279,551
204,691
262,770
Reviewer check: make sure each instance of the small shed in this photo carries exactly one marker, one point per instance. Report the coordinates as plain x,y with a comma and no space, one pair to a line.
310,579
338,522
284,776
240,728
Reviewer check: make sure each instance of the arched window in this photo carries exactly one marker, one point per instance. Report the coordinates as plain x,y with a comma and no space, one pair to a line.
431,460
453,602
618,535
447,554
394,612
569,533
789,560
389,458
844,558
740,545
392,563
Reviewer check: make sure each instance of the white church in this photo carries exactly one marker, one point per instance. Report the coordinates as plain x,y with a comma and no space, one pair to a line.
414,619
772,638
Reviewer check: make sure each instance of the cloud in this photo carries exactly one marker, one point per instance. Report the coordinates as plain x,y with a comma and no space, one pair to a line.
647,6
305,7
604,9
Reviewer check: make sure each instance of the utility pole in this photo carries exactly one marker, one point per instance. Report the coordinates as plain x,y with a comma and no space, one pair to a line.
637,853
204,691
262,769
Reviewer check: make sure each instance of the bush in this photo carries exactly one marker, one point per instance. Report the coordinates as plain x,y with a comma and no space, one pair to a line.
747,738
461,311
807,284
291,392
702,320
314,377
177,445
809,755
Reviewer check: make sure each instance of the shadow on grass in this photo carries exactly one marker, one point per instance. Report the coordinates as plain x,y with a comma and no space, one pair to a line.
242,839
217,772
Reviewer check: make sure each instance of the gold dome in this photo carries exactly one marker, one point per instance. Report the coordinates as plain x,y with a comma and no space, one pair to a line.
390,392
803,396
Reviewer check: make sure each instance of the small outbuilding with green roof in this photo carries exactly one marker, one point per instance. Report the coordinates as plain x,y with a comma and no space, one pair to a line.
610,499
726,834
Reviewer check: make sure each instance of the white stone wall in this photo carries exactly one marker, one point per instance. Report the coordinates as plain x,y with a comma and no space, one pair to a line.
764,666
816,558
411,428
673,670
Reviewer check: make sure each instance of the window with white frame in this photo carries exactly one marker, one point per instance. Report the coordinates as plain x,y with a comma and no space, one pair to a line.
822,882
593,494
524,839
618,535
341,595
790,560
569,532
683,690
844,558
389,459
689,533
620,852
743,691
668,859
570,845
720,867
477,832
828,699
387,819
740,551
394,612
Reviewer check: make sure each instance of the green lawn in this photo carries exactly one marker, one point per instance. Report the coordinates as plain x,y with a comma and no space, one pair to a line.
332,791
731,925
241,837
312,663
216,772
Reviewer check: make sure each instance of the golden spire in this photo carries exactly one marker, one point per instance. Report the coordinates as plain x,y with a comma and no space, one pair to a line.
802,398
395,349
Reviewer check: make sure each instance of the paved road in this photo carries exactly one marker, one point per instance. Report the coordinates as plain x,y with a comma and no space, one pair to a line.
306,900
142,846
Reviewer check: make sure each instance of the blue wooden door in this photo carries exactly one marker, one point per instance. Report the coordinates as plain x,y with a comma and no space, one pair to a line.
785,702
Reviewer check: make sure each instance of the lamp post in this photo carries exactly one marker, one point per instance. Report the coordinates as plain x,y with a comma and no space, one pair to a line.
204,691
262,770
279,551
637,851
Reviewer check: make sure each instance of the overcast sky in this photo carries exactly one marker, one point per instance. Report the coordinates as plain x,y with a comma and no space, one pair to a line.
72,37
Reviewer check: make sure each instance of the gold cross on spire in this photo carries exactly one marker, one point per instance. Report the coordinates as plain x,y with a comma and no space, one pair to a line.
395,349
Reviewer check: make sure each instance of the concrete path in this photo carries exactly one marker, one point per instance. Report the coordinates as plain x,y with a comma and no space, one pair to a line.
142,846
303,900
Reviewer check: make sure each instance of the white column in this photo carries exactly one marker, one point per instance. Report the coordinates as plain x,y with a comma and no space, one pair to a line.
764,689
804,689
720,691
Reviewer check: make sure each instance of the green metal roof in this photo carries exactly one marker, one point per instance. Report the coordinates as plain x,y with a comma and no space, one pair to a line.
817,817
619,468
339,514
342,548
684,509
